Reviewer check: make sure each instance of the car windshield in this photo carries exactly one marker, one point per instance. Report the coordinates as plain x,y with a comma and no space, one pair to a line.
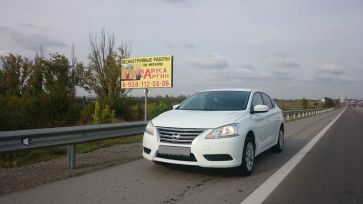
216,101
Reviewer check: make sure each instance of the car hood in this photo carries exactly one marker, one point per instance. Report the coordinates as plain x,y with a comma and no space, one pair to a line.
197,119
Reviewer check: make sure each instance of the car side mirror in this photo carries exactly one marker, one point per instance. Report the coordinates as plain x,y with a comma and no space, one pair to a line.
176,106
260,109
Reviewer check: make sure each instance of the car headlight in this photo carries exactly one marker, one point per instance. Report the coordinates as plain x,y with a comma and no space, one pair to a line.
223,132
149,128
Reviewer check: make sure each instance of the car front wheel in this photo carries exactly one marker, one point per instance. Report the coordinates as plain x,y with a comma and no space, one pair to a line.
248,158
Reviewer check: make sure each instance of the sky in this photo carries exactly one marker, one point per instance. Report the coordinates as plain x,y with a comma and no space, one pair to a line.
288,48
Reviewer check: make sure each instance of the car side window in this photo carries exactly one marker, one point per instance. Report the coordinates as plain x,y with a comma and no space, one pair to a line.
267,100
257,100
273,102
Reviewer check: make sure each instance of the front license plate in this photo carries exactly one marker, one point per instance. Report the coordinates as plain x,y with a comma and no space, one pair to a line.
172,150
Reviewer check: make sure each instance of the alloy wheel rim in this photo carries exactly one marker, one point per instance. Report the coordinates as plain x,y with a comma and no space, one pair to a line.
250,156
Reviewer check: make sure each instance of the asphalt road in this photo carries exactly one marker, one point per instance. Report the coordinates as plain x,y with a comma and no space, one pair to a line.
141,181
332,172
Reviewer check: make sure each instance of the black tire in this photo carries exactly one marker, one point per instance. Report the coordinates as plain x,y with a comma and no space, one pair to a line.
280,142
248,158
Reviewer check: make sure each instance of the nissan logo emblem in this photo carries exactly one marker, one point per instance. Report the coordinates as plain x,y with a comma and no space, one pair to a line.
175,137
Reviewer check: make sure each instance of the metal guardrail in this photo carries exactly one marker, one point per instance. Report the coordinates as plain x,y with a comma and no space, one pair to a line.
297,114
70,136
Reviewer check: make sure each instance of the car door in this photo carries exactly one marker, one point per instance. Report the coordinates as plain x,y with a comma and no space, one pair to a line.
259,123
271,120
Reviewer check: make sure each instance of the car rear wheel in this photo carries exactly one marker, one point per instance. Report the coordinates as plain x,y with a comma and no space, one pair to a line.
280,143
248,158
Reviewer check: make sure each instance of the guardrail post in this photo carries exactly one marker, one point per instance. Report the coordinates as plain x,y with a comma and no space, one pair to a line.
71,156
287,117
303,115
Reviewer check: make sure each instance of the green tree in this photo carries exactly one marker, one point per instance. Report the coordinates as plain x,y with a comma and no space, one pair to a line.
2,85
103,115
37,93
329,102
58,76
103,73
36,79
97,114
140,112
15,74
304,103
58,102
159,108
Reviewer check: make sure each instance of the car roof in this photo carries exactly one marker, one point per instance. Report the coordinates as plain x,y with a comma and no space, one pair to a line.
232,89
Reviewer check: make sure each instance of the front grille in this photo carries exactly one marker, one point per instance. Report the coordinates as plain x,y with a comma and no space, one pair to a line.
178,135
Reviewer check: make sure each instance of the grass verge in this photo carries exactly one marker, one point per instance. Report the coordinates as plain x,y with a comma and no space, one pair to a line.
20,158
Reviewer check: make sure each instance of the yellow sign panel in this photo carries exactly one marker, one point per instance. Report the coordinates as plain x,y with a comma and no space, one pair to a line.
147,72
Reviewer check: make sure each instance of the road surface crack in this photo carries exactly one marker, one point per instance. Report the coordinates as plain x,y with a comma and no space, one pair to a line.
189,188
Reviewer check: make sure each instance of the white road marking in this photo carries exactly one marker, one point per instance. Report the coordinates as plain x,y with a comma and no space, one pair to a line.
266,188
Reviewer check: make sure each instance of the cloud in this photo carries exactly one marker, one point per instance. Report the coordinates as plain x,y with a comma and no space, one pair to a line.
288,65
178,2
213,61
187,45
254,75
331,69
284,55
35,27
175,1
281,75
281,60
31,41
247,66
277,56
4,52
329,74
331,79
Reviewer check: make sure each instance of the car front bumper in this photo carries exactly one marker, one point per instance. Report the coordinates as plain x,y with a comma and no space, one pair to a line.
212,153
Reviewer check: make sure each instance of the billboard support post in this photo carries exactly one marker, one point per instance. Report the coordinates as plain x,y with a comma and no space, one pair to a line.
145,108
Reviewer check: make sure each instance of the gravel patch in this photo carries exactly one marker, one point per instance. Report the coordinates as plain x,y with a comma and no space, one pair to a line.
19,178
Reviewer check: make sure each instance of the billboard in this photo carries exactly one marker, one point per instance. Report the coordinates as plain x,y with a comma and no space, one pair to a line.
147,72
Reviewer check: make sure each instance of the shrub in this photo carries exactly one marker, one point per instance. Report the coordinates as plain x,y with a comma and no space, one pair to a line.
103,115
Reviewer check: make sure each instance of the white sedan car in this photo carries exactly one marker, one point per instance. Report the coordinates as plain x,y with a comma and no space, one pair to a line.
216,128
